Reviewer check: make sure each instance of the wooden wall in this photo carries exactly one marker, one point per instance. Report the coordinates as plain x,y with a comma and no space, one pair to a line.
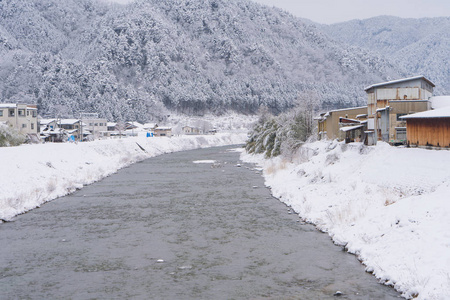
428,132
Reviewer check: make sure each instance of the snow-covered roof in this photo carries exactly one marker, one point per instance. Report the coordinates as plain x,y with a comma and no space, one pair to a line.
439,101
344,109
437,113
150,125
348,128
11,105
7,105
398,81
111,124
137,124
46,121
163,128
69,121
381,109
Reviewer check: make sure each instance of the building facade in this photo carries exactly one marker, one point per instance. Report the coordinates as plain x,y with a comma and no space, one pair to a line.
23,117
387,102
329,122
430,128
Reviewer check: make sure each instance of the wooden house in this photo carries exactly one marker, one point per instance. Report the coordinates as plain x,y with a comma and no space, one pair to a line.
329,123
429,128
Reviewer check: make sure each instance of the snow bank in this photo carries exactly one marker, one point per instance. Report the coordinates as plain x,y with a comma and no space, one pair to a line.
389,206
33,174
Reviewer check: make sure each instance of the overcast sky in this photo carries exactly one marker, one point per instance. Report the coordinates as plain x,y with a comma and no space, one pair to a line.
333,11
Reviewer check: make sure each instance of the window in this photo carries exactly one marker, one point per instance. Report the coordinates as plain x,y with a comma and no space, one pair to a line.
1,112
399,115
95,124
24,125
21,112
401,134
12,113
28,112
32,125
34,113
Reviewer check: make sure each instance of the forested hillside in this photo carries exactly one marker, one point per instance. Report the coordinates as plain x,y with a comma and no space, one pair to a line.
153,57
419,46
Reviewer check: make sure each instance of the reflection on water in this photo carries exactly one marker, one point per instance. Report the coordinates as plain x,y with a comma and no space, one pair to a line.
169,228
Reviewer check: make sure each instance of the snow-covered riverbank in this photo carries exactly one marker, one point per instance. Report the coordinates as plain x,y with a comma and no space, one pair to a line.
34,174
389,206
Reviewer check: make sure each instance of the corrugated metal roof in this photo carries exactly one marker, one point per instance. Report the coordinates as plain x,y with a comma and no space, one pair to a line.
398,81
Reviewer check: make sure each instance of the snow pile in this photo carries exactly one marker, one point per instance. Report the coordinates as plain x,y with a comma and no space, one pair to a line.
389,206
34,174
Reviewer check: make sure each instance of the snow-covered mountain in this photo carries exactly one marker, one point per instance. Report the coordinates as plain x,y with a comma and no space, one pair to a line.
419,46
145,59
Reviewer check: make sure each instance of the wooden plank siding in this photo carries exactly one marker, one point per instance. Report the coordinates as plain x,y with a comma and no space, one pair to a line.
429,132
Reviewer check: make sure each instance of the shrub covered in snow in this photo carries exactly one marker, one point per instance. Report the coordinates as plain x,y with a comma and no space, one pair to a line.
9,136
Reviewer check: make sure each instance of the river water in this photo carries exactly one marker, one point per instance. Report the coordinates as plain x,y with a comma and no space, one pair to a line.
169,228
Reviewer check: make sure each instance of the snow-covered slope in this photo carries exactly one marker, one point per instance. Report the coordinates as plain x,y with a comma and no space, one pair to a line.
193,56
419,46
389,206
34,174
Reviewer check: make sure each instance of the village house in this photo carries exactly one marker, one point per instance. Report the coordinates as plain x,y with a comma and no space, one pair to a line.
162,131
50,131
191,130
429,128
389,101
74,127
23,117
96,126
330,123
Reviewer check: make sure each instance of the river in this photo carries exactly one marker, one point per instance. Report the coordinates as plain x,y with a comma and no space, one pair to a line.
169,228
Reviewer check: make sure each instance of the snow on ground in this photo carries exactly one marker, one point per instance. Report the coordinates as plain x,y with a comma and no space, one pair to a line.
389,206
34,174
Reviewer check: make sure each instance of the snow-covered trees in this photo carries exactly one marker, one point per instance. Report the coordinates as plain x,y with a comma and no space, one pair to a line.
285,133
9,136
193,57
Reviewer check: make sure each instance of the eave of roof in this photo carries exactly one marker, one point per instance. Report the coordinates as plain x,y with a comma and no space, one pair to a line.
398,81
437,113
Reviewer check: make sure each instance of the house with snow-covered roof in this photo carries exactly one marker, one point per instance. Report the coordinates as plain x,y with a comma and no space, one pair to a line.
429,128
329,123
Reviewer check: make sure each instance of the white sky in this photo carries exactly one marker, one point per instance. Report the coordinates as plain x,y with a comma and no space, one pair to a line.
333,11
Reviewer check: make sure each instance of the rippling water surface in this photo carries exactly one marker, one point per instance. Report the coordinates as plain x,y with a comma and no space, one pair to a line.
169,228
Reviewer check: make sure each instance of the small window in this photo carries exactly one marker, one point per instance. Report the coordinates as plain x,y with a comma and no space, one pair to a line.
34,113
28,112
24,125
32,125
401,134
1,112
12,113
399,115
21,112
95,124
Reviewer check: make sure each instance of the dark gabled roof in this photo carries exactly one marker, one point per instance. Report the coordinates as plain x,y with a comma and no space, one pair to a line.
398,81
